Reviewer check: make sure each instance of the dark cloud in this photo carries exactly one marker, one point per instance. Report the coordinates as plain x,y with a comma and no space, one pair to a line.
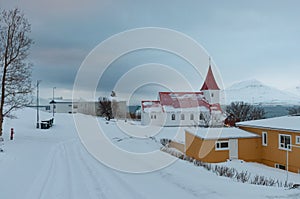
244,38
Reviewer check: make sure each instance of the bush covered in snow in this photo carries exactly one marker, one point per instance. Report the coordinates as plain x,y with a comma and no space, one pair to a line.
165,141
243,176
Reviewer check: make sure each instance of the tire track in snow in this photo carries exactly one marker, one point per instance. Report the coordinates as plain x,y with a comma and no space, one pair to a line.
70,172
107,176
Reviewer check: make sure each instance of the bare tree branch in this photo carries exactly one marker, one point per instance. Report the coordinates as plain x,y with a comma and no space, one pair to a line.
15,71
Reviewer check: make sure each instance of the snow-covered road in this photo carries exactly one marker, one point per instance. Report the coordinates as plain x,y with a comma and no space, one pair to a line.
53,164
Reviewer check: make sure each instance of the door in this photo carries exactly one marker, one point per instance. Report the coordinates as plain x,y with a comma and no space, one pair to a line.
233,149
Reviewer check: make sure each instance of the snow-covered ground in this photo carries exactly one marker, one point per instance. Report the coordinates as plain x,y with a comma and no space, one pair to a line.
48,164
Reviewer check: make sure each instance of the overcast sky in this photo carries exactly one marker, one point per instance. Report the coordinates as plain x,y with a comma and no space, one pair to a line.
246,39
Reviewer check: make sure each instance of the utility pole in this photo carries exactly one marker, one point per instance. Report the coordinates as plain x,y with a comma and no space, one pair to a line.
53,102
37,104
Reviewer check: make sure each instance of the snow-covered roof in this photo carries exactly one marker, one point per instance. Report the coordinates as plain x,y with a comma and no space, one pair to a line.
221,133
180,101
151,106
63,101
183,100
288,123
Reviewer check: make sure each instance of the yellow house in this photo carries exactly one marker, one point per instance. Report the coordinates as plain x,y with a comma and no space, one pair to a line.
280,141
220,144
274,142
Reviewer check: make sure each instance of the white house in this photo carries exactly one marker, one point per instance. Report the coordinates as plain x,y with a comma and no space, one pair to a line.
186,108
63,106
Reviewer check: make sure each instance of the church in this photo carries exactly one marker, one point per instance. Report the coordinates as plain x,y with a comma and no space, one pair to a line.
186,108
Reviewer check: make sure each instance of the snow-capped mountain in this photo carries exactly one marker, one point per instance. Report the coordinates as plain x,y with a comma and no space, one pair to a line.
295,90
255,92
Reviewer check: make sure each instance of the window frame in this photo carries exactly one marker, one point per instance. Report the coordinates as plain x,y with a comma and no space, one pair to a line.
280,144
264,140
192,116
173,117
280,166
220,143
201,117
296,140
182,116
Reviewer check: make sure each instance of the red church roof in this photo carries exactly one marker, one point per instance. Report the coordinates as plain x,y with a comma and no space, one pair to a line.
179,100
210,82
183,99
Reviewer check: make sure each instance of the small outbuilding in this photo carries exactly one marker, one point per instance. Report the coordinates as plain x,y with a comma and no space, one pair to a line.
220,144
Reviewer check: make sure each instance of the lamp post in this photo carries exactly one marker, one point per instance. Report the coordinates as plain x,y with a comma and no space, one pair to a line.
289,148
37,104
53,102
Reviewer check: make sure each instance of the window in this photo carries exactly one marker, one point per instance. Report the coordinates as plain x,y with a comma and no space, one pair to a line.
151,116
222,145
201,117
154,116
182,116
284,142
280,166
192,117
297,139
264,139
75,106
212,94
173,116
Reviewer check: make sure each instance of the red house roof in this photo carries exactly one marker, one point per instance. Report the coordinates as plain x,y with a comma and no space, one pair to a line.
210,82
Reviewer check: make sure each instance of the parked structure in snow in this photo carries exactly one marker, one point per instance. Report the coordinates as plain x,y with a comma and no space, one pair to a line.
63,106
118,107
221,144
274,142
186,108
88,107
279,136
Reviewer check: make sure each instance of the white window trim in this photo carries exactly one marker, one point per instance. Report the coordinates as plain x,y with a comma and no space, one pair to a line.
221,149
279,144
277,166
296,141
182,116
173,117
264,142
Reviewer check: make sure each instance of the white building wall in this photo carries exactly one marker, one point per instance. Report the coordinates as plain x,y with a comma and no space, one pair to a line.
64,107
153,118
212,96
89,108
167,119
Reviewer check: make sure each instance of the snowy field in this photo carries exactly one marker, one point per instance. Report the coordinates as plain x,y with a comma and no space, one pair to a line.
53,164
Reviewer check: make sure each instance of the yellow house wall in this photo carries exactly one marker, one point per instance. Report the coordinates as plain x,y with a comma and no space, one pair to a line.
250,149
271,154
204,150
177,145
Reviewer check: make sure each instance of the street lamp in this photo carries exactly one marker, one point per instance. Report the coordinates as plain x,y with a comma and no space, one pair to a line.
53,101
289,148
37,104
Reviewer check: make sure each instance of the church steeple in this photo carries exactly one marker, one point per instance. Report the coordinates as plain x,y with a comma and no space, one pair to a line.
210,81
210,88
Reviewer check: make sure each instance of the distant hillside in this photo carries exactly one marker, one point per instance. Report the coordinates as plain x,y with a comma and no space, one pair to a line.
295,90
255,92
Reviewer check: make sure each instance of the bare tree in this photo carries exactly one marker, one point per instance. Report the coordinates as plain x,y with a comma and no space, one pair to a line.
241,111
105,109
15,71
